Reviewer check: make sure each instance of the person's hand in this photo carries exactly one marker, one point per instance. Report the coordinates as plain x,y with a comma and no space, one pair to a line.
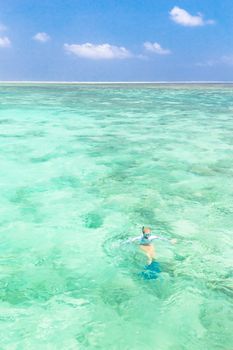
173,241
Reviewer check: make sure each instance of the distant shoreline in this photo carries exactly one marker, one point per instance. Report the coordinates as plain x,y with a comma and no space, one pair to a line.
117,82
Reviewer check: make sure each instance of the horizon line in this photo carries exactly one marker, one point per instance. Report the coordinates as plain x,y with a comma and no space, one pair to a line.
116,82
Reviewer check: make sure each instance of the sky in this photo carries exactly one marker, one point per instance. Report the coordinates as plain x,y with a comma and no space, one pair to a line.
116,40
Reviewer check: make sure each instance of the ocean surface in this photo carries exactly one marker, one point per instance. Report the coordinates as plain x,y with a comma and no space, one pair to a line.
82,168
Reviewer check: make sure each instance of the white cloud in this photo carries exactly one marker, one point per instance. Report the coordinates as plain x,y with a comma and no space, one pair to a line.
2,27
5,41
141,57
42,37
92,51
209,63
184,18
227,60
223,60
156,48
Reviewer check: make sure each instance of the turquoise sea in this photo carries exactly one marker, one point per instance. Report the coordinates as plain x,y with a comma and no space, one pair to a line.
82,168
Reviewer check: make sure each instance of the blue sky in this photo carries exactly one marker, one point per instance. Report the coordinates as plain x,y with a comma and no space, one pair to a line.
116,40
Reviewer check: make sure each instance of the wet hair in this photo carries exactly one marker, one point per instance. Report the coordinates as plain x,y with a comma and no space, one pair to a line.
145,228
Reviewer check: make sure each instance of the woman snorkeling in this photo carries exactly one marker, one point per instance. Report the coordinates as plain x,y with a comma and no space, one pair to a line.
146,245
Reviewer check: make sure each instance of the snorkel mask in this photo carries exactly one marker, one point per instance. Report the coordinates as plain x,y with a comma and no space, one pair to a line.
145,234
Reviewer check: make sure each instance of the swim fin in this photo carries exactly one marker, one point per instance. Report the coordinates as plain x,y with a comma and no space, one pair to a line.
151,271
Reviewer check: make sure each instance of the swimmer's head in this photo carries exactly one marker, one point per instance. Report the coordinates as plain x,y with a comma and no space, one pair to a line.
146,231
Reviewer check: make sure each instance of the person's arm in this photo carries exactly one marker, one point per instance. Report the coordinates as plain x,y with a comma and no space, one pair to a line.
134,239
172,241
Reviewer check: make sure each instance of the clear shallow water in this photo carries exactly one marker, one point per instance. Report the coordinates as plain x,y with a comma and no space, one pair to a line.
82,169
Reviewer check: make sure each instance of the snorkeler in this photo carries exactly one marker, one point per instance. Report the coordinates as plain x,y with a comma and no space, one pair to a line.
145,243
